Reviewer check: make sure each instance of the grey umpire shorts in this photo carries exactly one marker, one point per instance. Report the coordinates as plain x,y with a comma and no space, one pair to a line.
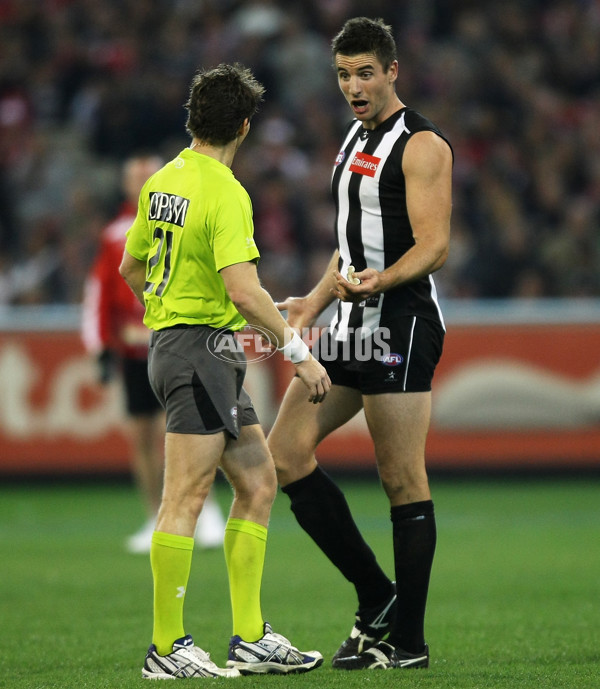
200,392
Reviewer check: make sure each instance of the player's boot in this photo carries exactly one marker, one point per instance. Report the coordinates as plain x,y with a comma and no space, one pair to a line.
383,656
371,625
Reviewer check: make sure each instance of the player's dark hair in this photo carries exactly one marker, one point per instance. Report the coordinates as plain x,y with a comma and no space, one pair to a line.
364,35
220,100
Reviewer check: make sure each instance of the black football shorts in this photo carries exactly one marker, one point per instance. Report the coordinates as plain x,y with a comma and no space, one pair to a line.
399,359
140,399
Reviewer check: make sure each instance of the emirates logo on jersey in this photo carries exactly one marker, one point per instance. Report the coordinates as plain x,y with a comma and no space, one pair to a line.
364,164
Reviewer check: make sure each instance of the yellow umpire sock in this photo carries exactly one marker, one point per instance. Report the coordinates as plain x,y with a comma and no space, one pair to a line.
171,561
245,544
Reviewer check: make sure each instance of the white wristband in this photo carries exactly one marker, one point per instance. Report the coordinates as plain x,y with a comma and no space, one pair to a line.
296,350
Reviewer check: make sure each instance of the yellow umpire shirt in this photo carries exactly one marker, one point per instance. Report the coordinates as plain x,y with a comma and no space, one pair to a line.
194,218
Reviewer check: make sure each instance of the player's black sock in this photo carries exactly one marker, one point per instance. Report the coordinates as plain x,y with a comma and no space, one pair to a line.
414,533
322,511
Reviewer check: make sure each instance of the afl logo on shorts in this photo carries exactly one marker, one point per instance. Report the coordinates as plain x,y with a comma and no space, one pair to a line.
340,158
392,359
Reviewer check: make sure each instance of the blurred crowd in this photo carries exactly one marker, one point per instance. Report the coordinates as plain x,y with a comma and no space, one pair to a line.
515,85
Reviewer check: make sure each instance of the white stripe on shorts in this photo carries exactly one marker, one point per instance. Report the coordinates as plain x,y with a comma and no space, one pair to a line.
412,331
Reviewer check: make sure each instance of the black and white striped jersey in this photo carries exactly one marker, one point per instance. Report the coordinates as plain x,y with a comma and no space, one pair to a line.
372,225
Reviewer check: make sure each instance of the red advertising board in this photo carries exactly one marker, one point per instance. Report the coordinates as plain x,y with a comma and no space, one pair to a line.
508,395
53,417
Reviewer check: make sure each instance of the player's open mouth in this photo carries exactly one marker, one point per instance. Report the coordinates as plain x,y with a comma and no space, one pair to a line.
359,106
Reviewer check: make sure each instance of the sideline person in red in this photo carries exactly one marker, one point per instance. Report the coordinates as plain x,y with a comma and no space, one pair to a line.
113,332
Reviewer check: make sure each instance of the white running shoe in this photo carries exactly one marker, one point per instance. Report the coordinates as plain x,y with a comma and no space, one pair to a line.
273,654
210,528
186,660
141,541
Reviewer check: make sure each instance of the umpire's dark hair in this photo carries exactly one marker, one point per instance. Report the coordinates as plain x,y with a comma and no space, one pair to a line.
220,100
364,35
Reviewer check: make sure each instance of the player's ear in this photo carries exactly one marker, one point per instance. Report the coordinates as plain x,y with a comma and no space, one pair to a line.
393,71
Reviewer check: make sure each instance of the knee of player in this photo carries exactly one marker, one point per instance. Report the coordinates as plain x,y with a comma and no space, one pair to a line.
405,486
290,452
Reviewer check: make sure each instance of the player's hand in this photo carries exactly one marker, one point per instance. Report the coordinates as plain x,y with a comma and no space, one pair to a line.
107,366
370,285
298,314
315,377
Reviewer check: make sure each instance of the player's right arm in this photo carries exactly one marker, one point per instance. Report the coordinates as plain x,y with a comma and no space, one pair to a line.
304,311
256,306
133,271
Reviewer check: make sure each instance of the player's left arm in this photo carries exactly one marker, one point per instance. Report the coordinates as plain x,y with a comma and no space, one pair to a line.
133,271
427,167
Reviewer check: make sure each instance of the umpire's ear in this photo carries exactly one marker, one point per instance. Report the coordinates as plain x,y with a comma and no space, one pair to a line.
244,128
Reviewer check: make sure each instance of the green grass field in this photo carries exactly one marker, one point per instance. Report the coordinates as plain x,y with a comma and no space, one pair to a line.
514,598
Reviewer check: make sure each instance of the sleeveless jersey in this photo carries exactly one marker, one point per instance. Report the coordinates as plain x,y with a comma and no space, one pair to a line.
194,218
372,224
